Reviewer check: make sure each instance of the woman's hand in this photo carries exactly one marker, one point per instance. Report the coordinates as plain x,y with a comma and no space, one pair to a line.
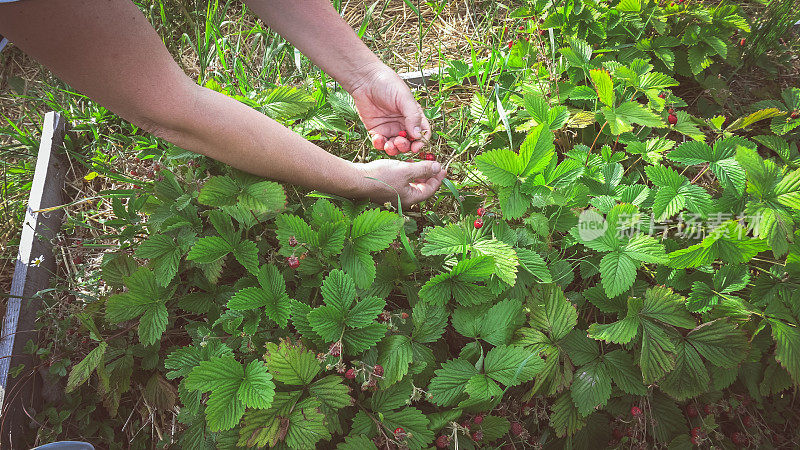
412,182
387,107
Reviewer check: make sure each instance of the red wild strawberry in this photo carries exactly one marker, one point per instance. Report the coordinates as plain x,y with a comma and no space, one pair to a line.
350,374
293,261
134,173
402,133
378,370
293,241
430,157
691,411
478,223
465,424
795,114
521,27
404,315
399,433
707,409
442,441
742,42
477,436
510,44
738,438
662,95
481,212
672,119
542,32
747,421
516,428
636,411
478,419
696,432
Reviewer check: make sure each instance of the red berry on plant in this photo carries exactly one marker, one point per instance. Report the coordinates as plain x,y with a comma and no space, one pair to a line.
293,241
335,349
521,27
542,32
293,262
378,370
442,441
465,424
478,223
738,438
742,42
510,44
516,428
350,374
430,157
672,119
402,133
662,95
636,411
694,440
795,114
481,212
478,419
399,433
696,432
707,409
671,111
747,421
477,436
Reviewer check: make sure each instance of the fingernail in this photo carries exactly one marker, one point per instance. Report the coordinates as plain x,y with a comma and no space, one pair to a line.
417,131
436,167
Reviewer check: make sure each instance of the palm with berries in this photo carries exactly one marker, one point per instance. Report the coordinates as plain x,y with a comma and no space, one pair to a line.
392,116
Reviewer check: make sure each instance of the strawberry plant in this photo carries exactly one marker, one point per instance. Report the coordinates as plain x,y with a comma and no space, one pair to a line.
606,265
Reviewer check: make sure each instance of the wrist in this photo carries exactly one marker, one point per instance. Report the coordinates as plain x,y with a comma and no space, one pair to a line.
354,79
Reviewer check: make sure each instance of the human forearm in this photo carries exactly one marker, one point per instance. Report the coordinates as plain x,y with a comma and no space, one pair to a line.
315,28
228,131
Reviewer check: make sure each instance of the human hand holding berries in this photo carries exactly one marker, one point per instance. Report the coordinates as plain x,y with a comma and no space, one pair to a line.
387,108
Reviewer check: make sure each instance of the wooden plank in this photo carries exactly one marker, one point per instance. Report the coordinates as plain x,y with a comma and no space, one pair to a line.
34,267
421,78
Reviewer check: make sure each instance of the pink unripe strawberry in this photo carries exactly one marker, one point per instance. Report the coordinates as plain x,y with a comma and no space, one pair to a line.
636,411
478,419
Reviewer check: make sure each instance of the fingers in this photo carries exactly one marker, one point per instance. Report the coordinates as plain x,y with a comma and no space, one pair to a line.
422,191
378,141
424,170
392,146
